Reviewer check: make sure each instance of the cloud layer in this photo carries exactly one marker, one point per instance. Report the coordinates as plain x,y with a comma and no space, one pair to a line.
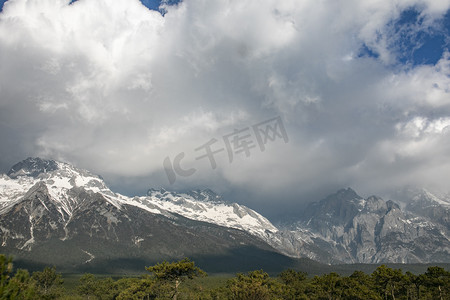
117,88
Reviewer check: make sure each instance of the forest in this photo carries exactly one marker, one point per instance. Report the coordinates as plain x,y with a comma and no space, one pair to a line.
184,280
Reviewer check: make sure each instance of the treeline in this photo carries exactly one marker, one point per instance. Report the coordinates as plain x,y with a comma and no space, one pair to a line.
174,281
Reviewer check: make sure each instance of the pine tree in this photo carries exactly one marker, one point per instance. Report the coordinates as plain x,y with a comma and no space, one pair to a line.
49,283
175,273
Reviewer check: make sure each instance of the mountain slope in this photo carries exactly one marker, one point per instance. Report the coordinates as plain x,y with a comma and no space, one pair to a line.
61,177
51,211
68,217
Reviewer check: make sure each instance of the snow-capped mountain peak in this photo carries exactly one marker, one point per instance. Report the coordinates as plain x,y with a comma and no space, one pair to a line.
206,206
33,167
55,174
61,178
426,196
421,197
58,177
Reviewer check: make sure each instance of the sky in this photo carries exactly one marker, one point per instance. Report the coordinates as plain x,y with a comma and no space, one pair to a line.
175,94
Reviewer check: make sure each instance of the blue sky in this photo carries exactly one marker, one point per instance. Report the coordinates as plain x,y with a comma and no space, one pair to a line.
423,47
416,47
362,89
427,46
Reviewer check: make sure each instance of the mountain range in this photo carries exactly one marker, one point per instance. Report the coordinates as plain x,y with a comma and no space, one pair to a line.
54,213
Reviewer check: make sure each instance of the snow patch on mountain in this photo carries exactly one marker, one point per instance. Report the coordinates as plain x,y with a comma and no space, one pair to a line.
220,213
344,227
60,178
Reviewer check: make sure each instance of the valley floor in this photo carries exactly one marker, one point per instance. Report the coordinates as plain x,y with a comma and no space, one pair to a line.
184,280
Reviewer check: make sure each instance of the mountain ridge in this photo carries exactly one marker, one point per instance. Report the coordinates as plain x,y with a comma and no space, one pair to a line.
68,217
341,228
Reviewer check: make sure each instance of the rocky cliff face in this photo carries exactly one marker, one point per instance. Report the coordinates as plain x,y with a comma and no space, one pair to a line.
356,230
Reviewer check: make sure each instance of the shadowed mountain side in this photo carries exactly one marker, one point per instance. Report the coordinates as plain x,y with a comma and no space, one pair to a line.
237,260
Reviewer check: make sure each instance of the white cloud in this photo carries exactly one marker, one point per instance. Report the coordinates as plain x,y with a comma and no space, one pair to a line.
116,88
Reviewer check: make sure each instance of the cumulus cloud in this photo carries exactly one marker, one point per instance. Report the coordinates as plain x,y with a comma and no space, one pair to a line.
117,88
